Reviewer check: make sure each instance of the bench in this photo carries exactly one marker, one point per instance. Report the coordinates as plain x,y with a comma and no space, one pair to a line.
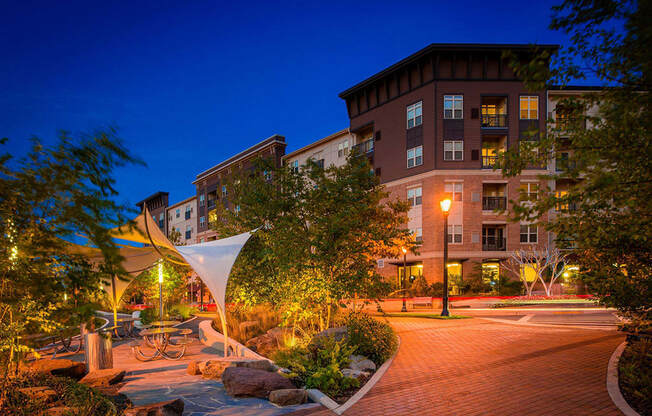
425,302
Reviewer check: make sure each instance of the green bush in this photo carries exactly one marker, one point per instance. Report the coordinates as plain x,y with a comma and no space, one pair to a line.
508,287
436,289
85,400
148,315
374,339
185,311
420,287
635,375
319,366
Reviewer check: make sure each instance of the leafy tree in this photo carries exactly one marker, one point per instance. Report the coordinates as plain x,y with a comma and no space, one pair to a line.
605,217
174,285
322,231
51,194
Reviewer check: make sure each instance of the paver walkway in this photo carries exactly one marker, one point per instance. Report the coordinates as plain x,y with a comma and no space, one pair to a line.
477,367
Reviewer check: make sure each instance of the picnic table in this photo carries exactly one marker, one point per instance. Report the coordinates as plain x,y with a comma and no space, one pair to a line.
164,323
160,340
64,340
127,326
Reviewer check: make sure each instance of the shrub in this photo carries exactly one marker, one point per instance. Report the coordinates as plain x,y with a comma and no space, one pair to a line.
319,366
148,315
508,287
185,311
374,339
85,400
635,375
420,286
437,289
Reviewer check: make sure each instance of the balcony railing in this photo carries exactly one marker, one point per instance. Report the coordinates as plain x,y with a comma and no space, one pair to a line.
492,203
493,244
489,161
365,147
187,215
494,120
211,203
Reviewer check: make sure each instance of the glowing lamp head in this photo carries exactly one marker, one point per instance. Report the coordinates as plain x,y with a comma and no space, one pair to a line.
445,205
160,272
404,250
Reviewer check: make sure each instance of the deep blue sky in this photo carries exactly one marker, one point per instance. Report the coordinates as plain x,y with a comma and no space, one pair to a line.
190,83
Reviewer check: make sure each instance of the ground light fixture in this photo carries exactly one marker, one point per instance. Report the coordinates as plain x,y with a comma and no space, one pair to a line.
445,207
403,282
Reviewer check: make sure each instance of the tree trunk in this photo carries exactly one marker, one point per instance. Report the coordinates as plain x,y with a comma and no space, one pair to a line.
98,351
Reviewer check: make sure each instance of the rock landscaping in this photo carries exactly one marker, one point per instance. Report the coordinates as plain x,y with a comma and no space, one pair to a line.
167,408
243,381
60,368
288,397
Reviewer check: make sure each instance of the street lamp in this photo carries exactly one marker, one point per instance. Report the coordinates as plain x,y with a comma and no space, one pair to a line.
404,250
445,207
160,289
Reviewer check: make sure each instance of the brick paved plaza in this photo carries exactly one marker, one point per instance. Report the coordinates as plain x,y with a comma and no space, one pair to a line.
477,367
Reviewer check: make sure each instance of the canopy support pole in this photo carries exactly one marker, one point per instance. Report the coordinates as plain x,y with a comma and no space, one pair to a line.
222,315
115,301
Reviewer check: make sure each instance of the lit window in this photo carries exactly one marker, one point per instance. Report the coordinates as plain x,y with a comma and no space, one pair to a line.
343,149
224,192
455,234
414,116
529,107
528,233
453,106
453,190
414,196
453,150
529,190
417,233
415,156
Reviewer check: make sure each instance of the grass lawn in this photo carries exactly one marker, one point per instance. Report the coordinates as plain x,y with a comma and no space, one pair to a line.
423,315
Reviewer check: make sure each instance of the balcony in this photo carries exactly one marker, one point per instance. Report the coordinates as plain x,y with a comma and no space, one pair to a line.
211,203
488,162
494,203
365,147
493,244
494,121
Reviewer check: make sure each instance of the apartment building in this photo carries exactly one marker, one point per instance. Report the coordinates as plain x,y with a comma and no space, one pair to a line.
332,150
182,217
157,206
449,109
212,184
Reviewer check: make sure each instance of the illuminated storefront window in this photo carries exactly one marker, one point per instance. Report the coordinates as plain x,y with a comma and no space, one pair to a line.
413,271
454,277
490,271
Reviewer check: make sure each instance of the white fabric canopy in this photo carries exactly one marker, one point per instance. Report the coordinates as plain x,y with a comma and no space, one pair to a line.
212,261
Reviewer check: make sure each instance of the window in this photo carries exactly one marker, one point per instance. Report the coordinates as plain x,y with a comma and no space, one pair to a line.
320,163
268,175
453,106
414,196
415,156
224,192
343,149
529,190
188,232
295,166
201,199
202,221
528,233
178,213
414,116
562,204
453,190
453,150
455,234
529,107
418,234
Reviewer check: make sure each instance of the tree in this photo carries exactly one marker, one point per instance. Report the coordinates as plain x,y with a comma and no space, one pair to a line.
605,218
52,194
320,233
174,284
545,263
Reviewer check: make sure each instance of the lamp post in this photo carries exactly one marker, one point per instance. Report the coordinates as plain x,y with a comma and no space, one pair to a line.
160,289
404,250
445,207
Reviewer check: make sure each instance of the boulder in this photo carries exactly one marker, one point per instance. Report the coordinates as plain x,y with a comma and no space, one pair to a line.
361,376
60,368
264,344
338,334
243,381
264,365
287,397
362,363
214,369
42,394
193,368
103,378
168,408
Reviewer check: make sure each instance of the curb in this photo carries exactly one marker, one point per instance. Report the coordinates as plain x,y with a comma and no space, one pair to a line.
506,321
612,383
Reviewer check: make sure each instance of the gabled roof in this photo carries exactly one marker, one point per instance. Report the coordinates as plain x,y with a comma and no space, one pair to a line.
443,47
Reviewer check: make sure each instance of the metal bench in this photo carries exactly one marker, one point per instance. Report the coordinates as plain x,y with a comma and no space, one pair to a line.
425,302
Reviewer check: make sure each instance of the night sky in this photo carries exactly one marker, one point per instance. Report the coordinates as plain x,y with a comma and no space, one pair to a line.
190,83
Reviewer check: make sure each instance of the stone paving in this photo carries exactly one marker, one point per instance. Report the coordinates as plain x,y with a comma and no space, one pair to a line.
477,367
